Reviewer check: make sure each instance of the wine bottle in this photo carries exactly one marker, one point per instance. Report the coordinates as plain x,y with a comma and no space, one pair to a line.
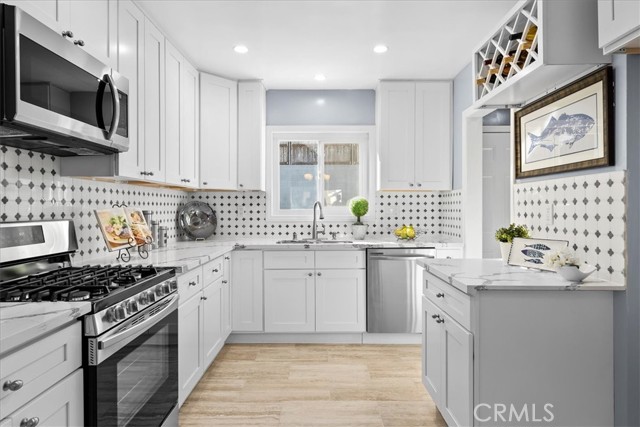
515,36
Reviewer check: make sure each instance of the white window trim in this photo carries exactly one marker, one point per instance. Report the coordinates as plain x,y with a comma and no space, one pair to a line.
367,156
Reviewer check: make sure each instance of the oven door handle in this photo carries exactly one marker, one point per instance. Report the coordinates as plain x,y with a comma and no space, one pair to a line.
137,329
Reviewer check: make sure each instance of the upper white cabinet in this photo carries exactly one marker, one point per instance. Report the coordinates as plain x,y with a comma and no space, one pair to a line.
251,135
538,45
218,133
415,135
618,25
52,13
181,106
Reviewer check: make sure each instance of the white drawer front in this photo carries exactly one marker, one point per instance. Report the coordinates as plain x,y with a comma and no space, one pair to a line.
39,366
212,271
288,259
340,259
189,284
449,299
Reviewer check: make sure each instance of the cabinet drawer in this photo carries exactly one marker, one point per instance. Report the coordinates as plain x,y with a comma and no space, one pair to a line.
450,300
340,259
288,259
453,253
39,366
189,284
212,271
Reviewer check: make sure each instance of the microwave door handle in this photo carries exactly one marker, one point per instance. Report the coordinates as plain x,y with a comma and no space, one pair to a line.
115,119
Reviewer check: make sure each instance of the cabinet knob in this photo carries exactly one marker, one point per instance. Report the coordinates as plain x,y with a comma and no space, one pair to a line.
309,274
203,298
29,422
215,270
224,282
439,320
67,33
435,316
12,385
439,295
227,258
78,42
150,173
204,183
419,185
192,283
241,185
143,173
411,184
319,274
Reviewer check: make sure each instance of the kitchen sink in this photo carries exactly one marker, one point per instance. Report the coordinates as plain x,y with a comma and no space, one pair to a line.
312,242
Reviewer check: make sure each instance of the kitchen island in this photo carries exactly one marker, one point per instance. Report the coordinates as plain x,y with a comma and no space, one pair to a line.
506,345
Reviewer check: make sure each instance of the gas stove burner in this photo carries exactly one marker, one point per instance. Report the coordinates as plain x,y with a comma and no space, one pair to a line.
79,296
126,280
13,296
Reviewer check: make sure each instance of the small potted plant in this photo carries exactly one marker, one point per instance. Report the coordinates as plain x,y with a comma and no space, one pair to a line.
568,265
505,236
359,206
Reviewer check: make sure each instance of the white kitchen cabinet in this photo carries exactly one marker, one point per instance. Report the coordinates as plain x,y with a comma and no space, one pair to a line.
181,98
60,406
415,135
449,253
618,25
52,13
226,297
190,345
251,135
431,351
289,301
218,133
96,24
212,321
340,300
154,104
247,292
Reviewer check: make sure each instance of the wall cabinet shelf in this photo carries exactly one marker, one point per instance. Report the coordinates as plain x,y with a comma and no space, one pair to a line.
540,44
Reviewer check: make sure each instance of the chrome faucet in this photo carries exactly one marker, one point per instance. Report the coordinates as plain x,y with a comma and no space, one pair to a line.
314,227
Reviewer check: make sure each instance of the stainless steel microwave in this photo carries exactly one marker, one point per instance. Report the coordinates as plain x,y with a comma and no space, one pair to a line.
55,97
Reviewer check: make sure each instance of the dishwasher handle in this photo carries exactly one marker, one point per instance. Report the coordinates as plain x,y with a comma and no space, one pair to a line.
400,257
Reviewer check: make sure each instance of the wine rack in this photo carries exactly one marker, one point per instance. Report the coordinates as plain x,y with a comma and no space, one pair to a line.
538,45
512,49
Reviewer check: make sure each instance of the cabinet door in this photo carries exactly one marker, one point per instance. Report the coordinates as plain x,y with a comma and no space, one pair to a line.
617,21
189,125
289,301
432,351
131,65
52,13
218,133
396,135
433,136
226,298
173,145
60,406
449,253
212,340
246,285
340,300
154,141
95,22
251,135
190,348
457,374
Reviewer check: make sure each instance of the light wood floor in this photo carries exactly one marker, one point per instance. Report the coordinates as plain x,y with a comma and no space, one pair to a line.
312,385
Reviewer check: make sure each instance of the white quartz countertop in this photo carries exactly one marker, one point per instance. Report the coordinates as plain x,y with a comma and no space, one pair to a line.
22,322
472,275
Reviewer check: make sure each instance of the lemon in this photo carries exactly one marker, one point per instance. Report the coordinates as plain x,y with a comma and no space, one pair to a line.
403,233
411,233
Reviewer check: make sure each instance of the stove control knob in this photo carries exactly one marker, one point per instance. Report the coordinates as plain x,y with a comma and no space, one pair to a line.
151,296
119,312
132,306
159,291
174,285
110,315
166,289
143,299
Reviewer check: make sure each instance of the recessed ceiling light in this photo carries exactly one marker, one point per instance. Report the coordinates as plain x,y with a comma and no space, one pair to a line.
380,48
241,49
320,77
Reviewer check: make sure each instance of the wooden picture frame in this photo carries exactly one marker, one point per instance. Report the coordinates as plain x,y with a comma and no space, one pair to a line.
567,130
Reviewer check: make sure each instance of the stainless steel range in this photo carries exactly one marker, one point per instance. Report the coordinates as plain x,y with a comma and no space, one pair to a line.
130,336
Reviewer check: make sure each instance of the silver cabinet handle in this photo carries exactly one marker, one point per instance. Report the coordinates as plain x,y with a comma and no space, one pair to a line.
78,42
192,283
440,295
29,422
319,274
14,385
67,33
309,274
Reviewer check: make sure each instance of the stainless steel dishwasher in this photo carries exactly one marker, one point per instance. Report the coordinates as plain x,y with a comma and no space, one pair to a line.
394,289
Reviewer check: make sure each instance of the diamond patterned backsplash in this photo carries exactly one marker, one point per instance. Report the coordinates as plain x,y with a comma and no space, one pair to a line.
32,189
589,211
431,213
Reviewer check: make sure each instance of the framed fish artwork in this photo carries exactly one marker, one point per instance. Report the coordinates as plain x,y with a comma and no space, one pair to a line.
567,130
534,253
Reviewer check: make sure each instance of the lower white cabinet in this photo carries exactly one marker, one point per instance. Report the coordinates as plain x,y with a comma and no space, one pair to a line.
226,297
190,346
247,295
341,300
449,253
289,301
212,314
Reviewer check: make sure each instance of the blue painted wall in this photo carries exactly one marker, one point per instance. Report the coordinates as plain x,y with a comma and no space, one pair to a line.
321,107
462,99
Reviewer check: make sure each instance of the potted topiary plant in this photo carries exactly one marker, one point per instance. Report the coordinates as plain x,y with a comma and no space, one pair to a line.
505,236
359,206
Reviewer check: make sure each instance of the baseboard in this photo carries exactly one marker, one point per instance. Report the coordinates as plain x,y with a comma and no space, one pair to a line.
322,338
391,338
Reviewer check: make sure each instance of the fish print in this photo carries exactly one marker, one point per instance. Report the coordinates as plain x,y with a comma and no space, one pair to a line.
532,253
538,246
534,261
566,129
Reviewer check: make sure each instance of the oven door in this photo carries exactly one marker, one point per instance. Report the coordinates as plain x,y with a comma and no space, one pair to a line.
58,88
132,377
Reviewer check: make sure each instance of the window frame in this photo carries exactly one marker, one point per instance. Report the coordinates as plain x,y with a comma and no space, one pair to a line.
364,136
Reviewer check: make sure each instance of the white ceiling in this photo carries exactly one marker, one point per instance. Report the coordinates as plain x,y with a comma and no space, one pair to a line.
291,41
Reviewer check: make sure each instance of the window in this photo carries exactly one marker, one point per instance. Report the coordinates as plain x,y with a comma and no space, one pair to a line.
329,165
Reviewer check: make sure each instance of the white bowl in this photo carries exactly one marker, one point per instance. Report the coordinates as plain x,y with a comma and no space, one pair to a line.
573,273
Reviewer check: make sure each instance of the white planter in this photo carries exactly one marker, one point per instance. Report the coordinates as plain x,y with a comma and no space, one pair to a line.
505,248
359,231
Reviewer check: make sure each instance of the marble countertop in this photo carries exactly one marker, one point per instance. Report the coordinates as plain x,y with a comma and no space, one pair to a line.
473,275
22,322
